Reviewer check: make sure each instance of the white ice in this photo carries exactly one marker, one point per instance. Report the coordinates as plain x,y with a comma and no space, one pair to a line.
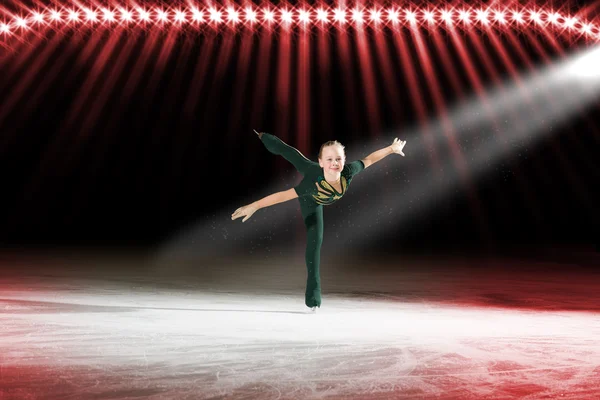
414,332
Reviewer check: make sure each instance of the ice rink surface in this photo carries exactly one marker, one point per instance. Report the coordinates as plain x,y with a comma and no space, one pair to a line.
83,327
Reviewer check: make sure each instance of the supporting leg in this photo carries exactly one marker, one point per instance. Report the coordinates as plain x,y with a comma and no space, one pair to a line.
313,220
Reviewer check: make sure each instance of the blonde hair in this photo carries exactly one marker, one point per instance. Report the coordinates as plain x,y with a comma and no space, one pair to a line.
331,143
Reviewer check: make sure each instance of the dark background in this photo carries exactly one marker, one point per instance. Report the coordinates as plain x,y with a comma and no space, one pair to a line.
122,138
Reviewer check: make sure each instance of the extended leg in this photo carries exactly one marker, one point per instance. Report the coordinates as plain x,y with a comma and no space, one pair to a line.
313,220
291,154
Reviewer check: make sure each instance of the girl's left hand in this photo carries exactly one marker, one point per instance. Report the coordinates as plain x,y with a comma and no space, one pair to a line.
397,146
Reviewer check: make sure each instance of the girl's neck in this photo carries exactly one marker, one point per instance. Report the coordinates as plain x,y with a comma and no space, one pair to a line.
332,179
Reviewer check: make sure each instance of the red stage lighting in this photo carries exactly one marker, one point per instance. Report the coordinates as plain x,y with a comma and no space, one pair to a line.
287,16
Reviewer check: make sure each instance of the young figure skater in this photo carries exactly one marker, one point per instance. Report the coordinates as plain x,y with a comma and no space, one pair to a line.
322,184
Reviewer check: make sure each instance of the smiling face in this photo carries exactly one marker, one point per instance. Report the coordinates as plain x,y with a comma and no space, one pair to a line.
332,158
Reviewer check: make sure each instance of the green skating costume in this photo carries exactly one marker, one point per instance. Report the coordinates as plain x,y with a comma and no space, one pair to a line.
313,193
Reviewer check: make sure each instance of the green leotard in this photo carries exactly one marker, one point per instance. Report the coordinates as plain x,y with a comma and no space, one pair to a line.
313,193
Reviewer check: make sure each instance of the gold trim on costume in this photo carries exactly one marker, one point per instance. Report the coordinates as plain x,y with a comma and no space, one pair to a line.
327,194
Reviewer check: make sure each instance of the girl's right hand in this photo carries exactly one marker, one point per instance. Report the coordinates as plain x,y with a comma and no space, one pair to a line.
246,211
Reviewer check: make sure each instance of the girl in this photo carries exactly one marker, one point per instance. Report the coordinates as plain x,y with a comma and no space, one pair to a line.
322,184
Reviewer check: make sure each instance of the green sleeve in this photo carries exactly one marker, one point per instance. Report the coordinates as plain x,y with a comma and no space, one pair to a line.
355,167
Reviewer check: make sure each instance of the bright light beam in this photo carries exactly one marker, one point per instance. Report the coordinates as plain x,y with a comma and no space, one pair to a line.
539,104
586,66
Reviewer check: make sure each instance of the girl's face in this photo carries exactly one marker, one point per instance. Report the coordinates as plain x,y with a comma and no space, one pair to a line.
332,159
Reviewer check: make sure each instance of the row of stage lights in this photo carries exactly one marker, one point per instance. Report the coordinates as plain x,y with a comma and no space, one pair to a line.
300,16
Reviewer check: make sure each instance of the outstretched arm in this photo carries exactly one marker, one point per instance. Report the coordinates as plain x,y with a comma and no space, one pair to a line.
270,200
396,147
